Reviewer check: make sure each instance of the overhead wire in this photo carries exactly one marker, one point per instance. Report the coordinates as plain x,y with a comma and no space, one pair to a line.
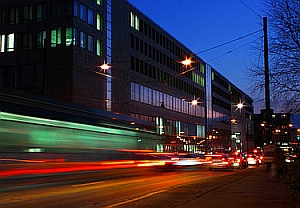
250,9
239,38
228,52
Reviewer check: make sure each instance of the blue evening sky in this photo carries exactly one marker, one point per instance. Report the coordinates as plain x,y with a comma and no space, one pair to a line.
203,24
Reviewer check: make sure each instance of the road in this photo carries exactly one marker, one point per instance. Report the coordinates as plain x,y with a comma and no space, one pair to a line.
137,187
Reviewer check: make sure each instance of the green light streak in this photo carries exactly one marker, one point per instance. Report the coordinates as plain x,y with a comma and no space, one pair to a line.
64,124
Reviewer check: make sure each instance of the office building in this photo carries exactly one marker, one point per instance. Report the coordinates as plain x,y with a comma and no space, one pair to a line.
59,49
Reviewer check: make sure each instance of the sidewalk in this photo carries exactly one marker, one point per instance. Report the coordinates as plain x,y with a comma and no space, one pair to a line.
258,189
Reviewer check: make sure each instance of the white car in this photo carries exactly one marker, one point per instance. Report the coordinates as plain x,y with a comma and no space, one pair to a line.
252,160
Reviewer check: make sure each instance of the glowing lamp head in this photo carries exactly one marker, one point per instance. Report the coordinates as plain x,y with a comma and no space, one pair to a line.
194,102
105,66
240,105
186,62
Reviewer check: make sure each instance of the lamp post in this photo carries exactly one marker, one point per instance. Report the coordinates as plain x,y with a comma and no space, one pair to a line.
187,63
263,125
237,126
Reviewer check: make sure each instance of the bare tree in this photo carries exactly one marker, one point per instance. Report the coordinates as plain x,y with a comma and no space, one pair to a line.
284,55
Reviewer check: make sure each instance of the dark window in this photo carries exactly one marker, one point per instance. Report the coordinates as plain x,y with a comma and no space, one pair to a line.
82,40
2,17
75,8
56,10
90,17
82,12
75,37
27,13
39,12
68,8
131,41
12,16
40,38
90,43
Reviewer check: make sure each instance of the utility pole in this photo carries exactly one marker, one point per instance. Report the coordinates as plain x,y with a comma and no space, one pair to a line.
267,82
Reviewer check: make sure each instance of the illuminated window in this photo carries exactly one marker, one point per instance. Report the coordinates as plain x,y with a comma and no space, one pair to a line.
131,19
55,37
90,17
99,51
2,43
137,23
90,43
134,21
82,40
7,42
69,36
99,2
202,68
99,22
59,36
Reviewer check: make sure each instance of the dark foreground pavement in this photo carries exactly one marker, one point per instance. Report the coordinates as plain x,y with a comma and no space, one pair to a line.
260,189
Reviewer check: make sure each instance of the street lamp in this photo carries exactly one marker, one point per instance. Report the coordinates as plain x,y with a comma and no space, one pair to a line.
105,66
237,126
239,106
263,125
187,62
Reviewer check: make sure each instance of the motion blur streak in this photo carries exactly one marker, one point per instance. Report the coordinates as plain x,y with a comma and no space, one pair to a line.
63,168
150,163
66,167
23,160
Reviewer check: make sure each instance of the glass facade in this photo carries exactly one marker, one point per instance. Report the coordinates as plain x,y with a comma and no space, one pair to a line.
153,97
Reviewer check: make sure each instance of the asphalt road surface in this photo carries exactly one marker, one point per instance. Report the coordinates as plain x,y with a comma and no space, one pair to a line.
137,187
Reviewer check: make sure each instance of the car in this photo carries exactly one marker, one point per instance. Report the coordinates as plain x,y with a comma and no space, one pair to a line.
239,160
252,160
220,161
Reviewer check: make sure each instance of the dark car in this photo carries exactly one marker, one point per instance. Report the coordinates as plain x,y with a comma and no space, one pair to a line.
239,160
